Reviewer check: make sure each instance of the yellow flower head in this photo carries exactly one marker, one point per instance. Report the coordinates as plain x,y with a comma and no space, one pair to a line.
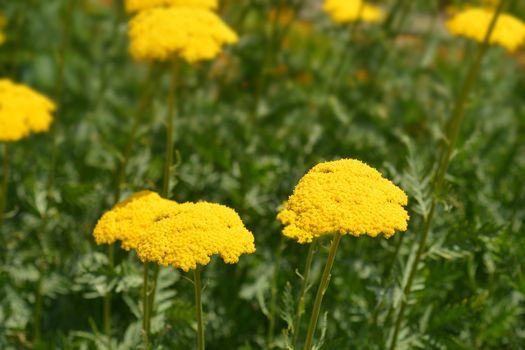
345,11
191,33
129,219
473,23
141,5
22,111
194,232
344,196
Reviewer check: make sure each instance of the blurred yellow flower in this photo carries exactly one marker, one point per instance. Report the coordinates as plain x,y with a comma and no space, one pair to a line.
127,221
194,232
344,11
22,111
163,33
141,5
473,23
344,196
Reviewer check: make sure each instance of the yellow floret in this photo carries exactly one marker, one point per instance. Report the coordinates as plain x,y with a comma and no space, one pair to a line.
194,232
141,5
164,33
128,220
347,197
473,23
344,11
22,111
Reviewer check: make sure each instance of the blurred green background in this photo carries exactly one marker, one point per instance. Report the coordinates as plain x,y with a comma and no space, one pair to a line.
295,90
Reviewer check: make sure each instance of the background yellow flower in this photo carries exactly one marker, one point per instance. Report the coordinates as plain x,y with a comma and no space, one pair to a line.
193,34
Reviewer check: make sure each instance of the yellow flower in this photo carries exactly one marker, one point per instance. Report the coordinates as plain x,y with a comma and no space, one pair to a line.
141,5
22,111
344,196
344,11
473,23
193,34
194,232
129,219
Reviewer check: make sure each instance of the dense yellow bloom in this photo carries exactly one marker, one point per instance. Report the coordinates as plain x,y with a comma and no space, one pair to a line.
163,33
344,11
22,111
194,232
129,219
141,5
347,197
473,23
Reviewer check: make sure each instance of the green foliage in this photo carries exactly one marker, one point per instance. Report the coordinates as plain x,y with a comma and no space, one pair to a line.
249,124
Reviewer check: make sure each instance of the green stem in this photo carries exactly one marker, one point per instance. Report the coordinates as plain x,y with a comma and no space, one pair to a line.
37,333
302,294
452,132
3,189
198,307
273,293
151,294
340,68
145,307
323,286
144,101
107,297
169,129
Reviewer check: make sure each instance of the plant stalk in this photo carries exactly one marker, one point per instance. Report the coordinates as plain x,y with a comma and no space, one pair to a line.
145,307
323,286
302,294
273,294
198,307
452,132
3,189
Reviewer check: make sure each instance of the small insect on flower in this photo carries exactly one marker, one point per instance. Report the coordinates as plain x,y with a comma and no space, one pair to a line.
22,111
473,23
347,197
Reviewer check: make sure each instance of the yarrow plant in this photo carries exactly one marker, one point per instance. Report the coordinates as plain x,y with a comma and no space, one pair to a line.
473,23
22,111
342,197
194,34
346,11
182,235
140,5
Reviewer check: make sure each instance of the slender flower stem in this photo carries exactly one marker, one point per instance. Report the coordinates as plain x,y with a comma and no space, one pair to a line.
340,67
3,189
273,293
145,307
144,102
302,294
323,286
452,132
198,307
169,129
150,292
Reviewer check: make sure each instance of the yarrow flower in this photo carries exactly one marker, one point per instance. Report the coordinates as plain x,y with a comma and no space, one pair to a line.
141,5
192,233
127,221
22,111
191,33
345,11
473,23
347,197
